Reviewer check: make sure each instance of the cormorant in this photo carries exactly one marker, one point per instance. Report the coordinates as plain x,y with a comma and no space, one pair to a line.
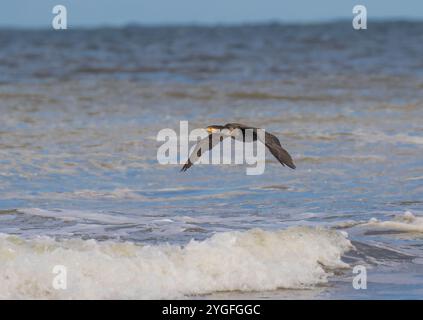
231,130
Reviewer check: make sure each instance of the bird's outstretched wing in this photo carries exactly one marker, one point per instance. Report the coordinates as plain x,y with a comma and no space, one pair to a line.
275,147
202,147
273,144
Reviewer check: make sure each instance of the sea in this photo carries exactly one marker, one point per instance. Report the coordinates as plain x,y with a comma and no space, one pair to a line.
88,212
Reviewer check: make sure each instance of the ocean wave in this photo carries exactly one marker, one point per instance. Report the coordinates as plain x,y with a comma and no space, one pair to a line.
270,96
378,136
253,260
77,215
406,222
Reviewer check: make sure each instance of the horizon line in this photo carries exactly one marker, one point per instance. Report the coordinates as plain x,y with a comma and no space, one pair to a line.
375,20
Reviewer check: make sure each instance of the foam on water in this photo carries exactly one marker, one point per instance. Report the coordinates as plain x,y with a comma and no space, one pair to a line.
77,215
254,260
406,222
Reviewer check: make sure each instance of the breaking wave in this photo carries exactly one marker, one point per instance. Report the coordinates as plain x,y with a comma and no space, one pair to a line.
253,260
406,222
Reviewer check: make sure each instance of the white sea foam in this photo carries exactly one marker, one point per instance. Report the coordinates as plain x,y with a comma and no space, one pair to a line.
406,222
76,215
299,257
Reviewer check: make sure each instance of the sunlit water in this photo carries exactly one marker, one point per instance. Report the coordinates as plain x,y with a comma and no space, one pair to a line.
80,184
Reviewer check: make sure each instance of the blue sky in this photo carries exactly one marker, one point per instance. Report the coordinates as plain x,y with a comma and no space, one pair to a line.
37,13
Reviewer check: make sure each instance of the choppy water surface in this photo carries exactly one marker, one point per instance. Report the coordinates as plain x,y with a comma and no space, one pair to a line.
80,184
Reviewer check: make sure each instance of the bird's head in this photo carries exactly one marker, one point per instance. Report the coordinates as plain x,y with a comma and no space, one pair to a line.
214,129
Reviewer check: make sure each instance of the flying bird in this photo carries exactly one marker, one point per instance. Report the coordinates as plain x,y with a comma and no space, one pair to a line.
235,130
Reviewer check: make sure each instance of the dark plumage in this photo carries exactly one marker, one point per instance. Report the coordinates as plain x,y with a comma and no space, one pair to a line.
208,143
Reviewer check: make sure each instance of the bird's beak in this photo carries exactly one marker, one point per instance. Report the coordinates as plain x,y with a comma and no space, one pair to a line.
211,130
